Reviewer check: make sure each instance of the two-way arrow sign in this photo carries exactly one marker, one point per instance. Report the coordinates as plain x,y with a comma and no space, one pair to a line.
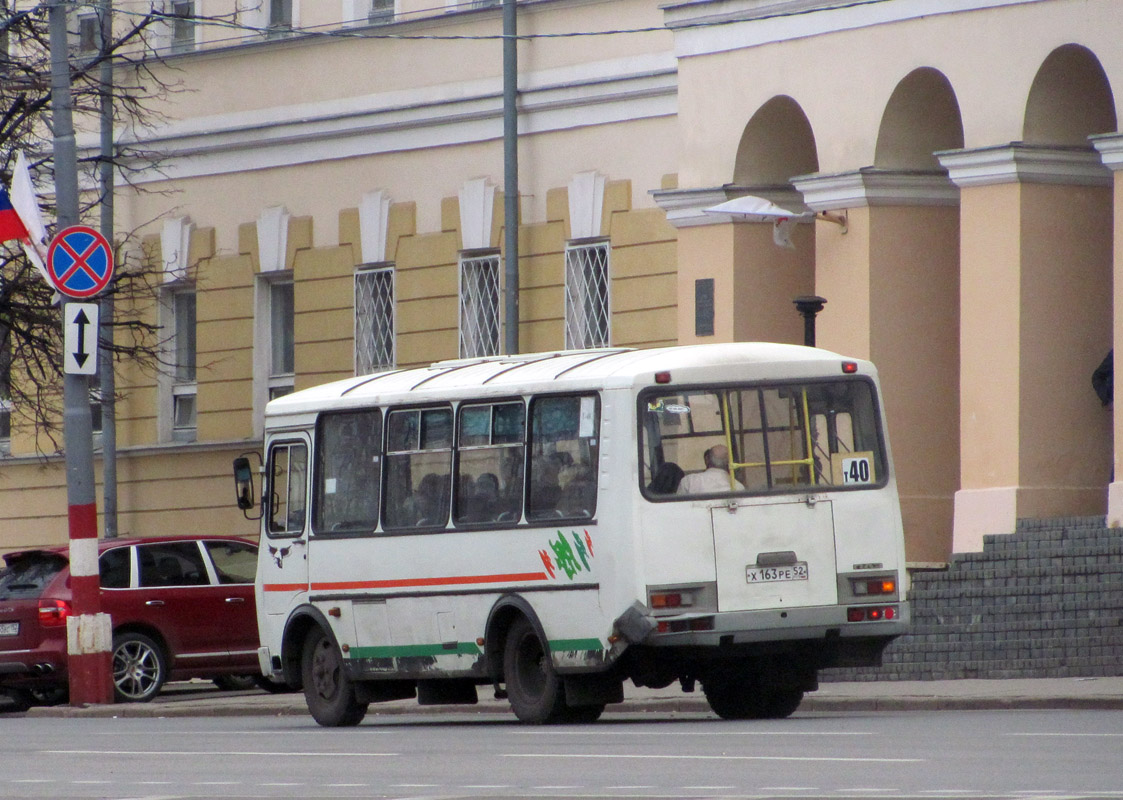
80,338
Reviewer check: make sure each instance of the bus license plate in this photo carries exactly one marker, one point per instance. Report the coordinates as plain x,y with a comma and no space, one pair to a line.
789,572
9,628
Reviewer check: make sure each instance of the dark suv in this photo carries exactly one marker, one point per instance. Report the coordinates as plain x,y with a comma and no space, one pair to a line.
180,608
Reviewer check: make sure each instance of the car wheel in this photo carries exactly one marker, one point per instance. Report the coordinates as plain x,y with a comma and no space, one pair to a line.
328,690
139,668
534,689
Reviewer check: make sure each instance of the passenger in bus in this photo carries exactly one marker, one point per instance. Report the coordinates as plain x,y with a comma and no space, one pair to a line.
432,500
579,497
667,478
545,488
715,478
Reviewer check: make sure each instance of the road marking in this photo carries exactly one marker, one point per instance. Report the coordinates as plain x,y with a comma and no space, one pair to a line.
719,758
236,753
1072,735
769,734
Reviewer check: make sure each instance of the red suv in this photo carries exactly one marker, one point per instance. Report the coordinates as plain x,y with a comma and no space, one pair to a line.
180,608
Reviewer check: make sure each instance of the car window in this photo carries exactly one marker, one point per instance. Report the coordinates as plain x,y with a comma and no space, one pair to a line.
113,566
27,575
234,562
171,564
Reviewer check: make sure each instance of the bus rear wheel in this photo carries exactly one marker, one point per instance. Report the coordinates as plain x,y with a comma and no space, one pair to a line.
328,690
534,688
743,695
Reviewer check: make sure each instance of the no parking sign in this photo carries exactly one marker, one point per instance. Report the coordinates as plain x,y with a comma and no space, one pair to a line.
79,262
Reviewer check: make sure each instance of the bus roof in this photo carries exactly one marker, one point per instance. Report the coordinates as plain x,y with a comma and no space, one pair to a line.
563,370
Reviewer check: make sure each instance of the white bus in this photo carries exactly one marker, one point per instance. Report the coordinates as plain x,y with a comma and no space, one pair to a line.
551,525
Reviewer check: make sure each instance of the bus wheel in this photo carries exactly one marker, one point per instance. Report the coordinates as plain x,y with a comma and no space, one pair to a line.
327,689
533,687
782,702
582,715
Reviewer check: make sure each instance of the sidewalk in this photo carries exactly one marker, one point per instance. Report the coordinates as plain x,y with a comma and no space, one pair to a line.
197,700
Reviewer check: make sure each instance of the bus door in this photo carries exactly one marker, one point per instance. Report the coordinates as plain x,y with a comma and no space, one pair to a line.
284,547
774,554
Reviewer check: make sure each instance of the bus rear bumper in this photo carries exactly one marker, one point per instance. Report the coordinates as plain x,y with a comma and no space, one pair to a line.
776,625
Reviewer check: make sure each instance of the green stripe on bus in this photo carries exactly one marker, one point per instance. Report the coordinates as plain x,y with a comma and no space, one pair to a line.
414,650
568,645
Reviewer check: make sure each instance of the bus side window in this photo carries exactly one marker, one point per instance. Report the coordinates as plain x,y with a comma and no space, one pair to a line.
489,463
348,471
288,487
564,450
418,468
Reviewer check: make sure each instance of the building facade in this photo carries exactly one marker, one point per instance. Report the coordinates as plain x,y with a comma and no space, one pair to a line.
330,202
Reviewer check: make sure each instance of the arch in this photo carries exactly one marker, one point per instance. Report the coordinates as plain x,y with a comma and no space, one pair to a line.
921,117
776,145
1070,99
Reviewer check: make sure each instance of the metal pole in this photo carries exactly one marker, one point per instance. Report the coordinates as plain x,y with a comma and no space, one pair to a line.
108,383
510,178
88,632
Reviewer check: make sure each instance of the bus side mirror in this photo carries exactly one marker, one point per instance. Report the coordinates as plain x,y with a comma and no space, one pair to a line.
243,484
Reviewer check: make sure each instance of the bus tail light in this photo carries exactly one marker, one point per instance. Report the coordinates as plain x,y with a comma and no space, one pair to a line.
849,367
677,599
873,586
871,613
685,625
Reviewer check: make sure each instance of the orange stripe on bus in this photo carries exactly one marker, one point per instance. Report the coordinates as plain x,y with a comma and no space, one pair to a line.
401,583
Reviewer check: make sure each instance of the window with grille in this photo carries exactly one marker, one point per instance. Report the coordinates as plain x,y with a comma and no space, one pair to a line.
374,320
586,296
479,305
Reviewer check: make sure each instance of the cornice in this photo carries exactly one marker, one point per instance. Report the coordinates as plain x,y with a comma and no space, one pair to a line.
1110,148
451,114
711,26
871,186
1018,162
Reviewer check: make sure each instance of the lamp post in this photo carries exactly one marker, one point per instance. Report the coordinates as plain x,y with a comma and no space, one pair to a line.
808,306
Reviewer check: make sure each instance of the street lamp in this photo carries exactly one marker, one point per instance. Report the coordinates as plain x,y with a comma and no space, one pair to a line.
808,306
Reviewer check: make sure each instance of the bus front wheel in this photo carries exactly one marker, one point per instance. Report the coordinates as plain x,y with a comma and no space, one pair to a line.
328,690
534,688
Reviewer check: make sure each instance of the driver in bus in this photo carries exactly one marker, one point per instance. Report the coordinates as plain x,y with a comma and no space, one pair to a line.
715,478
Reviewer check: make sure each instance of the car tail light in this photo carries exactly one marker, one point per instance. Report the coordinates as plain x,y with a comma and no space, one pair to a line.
53,613
871,613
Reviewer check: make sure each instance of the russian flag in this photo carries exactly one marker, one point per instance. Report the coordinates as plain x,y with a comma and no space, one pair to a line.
11,226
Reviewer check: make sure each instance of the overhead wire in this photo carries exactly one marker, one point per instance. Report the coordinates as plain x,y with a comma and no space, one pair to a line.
374,30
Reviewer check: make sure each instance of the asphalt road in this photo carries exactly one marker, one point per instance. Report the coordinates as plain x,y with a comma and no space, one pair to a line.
1022,754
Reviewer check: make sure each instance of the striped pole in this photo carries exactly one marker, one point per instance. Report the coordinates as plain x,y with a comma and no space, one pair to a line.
88,632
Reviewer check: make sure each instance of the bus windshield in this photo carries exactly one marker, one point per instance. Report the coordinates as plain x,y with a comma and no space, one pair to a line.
770,438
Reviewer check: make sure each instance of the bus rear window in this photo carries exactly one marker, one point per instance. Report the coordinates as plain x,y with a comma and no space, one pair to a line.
761,438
